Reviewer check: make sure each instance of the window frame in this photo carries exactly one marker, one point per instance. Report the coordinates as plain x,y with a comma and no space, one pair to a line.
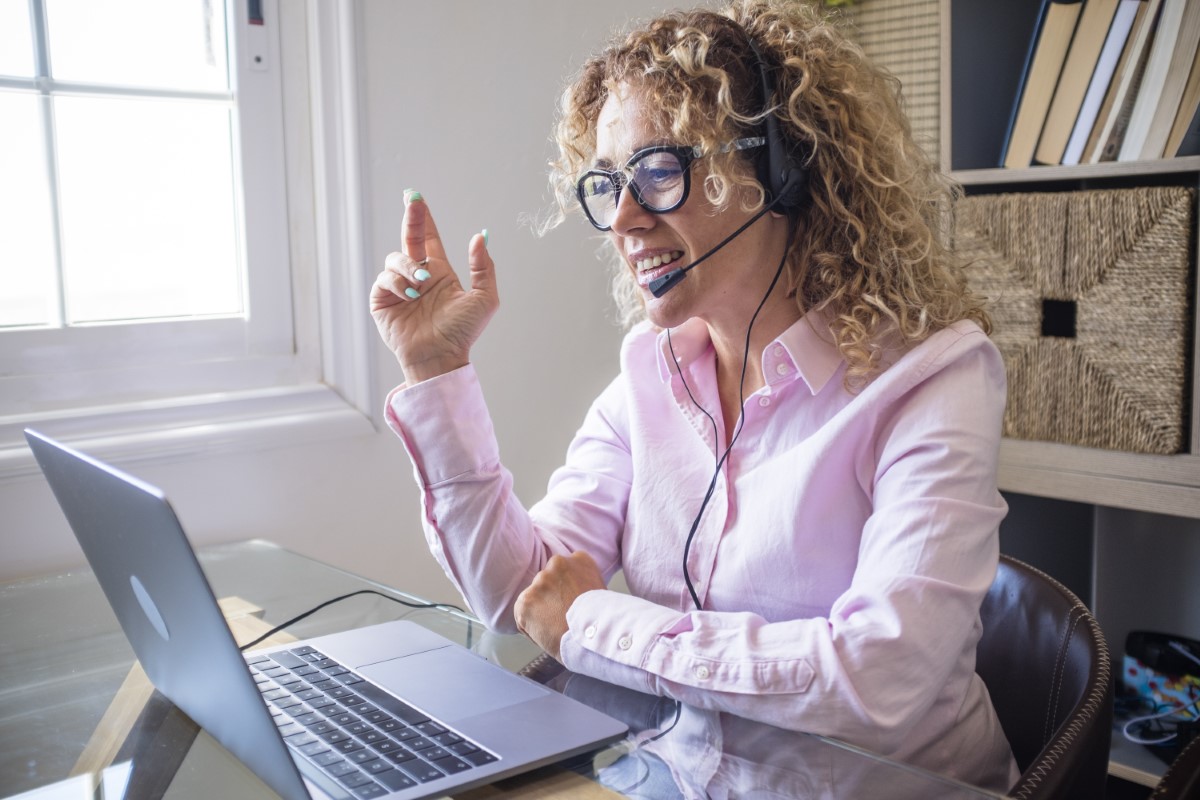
309,379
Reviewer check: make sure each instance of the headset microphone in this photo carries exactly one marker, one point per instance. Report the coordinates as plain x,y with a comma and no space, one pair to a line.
663,284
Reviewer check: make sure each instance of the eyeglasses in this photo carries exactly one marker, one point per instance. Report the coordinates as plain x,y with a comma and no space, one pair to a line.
657,176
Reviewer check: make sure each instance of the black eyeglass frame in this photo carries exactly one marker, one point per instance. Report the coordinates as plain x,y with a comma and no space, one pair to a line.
620,176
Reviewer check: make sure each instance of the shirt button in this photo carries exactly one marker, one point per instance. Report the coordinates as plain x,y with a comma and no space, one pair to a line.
782,369
764,401
779,350
590,632
625,643
702,672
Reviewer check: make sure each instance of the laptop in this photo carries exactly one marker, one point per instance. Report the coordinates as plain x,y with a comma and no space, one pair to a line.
390,710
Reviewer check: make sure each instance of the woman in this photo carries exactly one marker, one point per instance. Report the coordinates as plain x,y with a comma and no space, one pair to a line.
796,467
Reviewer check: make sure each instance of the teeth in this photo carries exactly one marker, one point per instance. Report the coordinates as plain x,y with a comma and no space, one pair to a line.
657,261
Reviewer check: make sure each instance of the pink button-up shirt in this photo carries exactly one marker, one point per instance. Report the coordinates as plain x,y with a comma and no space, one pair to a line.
840,563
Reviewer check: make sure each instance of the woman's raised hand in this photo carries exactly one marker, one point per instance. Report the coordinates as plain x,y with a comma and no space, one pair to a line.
423,313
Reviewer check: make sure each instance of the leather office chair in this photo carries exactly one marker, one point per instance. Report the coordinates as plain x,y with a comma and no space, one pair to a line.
1046,666
1182,778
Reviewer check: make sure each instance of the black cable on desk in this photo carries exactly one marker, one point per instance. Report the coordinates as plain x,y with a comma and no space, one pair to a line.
315,609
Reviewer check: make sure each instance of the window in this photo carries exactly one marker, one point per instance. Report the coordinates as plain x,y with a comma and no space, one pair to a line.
146,278
123,179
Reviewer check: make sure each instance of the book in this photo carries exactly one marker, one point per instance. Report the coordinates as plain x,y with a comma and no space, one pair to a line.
1186,116
1091,33
1154,79
1102,76
1178,72
1104,142
1053,40
1112,148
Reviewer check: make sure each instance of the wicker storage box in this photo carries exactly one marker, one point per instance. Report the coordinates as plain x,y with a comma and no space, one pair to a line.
1089,295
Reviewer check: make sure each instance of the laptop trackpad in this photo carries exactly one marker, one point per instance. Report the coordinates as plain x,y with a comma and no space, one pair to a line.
451,683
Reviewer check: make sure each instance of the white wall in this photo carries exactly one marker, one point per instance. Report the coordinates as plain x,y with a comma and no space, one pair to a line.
457,101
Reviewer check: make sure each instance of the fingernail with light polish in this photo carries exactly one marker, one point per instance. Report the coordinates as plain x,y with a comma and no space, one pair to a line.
485,236
413,195
413,293
421,275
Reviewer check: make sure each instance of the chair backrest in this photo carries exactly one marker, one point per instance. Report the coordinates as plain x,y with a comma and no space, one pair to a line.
1046,666
1182,779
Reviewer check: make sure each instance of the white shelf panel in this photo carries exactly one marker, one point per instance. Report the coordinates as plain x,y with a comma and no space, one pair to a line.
1133,762
1135,493
1079,172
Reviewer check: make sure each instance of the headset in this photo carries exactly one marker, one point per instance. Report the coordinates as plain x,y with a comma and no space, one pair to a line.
781,170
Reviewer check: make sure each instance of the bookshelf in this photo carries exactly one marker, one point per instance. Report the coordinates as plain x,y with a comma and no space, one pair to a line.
1122,529
1159,484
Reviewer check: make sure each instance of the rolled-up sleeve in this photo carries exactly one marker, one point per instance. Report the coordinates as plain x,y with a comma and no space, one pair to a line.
490,546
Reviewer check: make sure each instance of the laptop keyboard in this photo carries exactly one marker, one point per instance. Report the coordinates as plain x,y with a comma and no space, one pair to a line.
361,736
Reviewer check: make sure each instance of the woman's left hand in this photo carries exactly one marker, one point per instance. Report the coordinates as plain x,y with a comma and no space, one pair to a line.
541,610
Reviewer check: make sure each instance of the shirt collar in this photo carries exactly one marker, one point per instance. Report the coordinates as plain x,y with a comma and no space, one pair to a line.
807,345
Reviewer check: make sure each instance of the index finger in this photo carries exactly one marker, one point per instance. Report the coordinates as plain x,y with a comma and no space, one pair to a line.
419,230
413,226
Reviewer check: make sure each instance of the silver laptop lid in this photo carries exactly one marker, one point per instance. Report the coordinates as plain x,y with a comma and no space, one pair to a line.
144,563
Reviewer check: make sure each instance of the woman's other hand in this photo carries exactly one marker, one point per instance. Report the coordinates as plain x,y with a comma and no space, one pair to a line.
541,610
423,313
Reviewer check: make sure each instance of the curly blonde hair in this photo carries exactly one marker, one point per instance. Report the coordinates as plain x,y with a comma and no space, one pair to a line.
869,245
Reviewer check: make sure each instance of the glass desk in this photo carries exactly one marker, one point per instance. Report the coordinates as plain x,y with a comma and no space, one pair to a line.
64,662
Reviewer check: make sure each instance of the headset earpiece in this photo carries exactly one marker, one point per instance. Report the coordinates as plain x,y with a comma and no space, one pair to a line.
782,175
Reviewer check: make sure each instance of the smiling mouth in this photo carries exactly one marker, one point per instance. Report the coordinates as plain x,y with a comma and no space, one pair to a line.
661,260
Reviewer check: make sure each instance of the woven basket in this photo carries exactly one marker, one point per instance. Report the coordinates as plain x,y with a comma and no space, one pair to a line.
1088,293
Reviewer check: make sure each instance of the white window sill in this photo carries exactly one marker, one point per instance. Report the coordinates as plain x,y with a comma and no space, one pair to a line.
189,427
